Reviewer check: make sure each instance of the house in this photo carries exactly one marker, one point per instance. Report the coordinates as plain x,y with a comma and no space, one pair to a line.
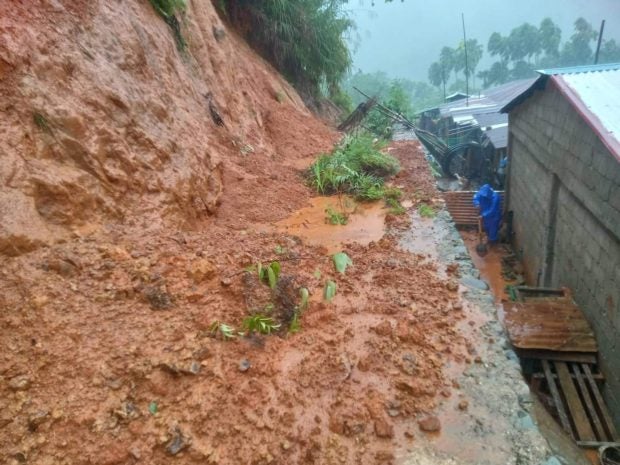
475,129
563,190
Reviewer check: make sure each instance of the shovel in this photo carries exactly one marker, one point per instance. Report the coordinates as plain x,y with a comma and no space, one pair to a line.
481,248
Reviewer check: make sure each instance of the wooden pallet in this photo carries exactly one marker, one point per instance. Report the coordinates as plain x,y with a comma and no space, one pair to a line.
461,207
579,403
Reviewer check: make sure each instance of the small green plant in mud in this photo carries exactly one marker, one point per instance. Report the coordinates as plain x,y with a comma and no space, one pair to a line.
395,207
260,324
269,274
426,211
226,332
356,166
329,291
295,326
278,249
335,217
392,192
341,262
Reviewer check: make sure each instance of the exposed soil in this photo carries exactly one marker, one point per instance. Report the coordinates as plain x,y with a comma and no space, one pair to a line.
101,327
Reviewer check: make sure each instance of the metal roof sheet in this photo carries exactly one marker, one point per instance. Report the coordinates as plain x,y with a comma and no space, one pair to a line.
580,69
594,92
598,97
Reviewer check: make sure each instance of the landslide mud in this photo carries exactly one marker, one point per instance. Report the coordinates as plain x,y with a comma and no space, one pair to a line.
110,358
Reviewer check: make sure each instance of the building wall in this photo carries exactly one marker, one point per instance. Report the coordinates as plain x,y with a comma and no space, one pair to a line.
564,190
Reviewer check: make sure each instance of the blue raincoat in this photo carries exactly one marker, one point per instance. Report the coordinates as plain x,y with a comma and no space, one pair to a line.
490,204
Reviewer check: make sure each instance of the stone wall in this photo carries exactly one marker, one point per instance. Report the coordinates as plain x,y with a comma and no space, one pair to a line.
564,190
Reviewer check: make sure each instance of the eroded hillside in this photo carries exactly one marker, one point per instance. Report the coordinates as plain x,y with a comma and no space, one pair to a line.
106,120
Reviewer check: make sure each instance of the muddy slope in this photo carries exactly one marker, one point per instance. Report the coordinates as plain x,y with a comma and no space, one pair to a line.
106,120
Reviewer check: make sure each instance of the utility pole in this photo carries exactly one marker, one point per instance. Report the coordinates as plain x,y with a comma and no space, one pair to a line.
466,63
600,38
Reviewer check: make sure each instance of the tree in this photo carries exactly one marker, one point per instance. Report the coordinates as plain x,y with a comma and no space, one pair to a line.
550,36
523,42
498,46
437,76
610,52
474,54
577,51
497,74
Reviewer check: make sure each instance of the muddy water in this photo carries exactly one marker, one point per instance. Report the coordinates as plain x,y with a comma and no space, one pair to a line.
490,266
366,222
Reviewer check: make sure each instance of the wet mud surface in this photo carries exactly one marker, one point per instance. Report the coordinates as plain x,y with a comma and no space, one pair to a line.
110,357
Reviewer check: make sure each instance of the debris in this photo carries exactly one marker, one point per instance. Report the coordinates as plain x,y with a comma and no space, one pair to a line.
157,298
37,419
474,283
430,424
177,443
244,365
383,429
19,383
215,115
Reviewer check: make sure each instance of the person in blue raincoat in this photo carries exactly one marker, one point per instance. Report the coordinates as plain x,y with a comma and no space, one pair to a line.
490,204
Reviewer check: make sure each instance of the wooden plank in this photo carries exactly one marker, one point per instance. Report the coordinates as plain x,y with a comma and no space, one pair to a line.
556,399
585,395
575,407
601,403
539,354
597,444
597,376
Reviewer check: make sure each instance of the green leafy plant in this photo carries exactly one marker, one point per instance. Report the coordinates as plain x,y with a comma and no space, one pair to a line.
426,211
260,324
305,296
317,273
395,206
335,217
330,290
227,332
294,326
269,274
342,261
356,166
279,249
392,193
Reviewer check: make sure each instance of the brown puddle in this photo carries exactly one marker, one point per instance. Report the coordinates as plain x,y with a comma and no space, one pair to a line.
365,223
490,266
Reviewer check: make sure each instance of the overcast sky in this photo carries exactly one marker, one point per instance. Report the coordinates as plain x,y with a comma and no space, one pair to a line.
403,39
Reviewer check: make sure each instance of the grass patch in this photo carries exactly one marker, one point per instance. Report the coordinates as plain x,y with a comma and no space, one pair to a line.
356,167
426,211
395,206
335,217
41,122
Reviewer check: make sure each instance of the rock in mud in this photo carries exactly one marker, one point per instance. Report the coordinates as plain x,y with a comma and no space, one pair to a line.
474,283
244,365
430,424
383,429
36,419
19,383
177,443
201,270
157,298
383,329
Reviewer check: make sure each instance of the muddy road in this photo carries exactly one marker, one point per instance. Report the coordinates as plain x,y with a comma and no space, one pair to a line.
109,355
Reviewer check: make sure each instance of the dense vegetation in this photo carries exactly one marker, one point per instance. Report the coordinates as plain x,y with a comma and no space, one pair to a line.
304,39
356,167
519,53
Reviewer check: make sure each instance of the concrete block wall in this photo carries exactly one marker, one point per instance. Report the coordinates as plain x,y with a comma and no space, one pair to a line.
574,240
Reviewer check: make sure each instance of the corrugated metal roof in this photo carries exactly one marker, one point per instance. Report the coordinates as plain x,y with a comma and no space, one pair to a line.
594,91
599,93
495,127
490,102
579,69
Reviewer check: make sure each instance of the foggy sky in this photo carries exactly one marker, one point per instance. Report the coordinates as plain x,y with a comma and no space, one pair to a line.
403,39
